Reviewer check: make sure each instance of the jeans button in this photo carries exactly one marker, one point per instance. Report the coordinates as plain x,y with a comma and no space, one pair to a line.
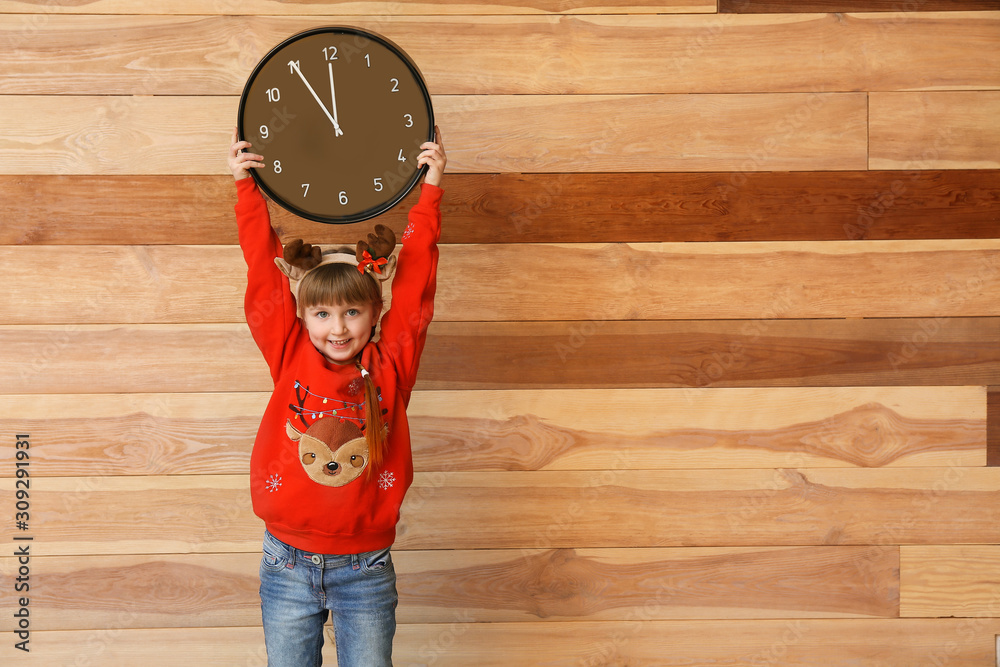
316,559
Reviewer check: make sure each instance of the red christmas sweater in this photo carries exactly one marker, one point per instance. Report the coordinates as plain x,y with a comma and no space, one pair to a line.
360,515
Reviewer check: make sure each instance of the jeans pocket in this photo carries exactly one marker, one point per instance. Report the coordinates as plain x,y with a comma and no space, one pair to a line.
376,562
275,554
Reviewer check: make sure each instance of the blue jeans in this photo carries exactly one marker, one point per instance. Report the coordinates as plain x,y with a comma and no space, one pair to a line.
299,589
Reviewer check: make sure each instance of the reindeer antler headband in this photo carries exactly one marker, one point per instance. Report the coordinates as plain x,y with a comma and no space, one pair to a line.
373,257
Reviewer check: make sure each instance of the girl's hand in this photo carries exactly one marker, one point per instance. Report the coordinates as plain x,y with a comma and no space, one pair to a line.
434,157
239,162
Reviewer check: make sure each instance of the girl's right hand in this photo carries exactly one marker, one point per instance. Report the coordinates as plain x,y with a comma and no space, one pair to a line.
434,157
240,162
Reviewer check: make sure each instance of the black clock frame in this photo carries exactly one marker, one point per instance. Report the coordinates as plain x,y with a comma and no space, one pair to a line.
418,77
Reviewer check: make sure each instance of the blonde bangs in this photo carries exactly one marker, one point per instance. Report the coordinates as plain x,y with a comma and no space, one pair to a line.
338,284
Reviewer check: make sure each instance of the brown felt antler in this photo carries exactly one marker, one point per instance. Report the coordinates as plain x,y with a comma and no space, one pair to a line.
302,255
380,243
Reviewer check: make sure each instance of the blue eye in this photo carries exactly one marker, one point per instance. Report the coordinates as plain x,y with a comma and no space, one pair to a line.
353,312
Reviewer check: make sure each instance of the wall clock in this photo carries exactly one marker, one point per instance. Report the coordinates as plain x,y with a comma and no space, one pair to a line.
339,114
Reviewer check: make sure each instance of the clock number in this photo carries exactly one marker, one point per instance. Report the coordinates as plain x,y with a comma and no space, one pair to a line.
264,132
273,94
368,60
277,166
395,85
330,53
378,185
305,187
292,66
343,198
401,158
409,120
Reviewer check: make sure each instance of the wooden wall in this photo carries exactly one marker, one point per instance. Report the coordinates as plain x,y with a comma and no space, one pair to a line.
713,378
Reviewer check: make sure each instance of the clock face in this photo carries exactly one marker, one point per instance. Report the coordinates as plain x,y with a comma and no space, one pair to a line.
339,115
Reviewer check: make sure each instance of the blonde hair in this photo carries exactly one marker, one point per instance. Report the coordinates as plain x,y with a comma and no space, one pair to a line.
342,284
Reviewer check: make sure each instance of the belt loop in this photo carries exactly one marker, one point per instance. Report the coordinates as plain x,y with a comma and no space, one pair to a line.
355,562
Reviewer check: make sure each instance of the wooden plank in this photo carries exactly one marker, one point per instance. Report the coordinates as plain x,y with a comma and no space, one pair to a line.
116,135
782,6
138,284
463,642
793,132
131,359
789,643
618,584
172,434
950,580
154,591
221,590
121,646
697,428
485,134
717,354
199,284
727,206
143,512
523,355
135,434
358,7
544,510
939,130
490,55
533,208
707,281
630,509
96,210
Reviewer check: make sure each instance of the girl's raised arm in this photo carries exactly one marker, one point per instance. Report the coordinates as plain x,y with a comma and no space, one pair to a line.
268,304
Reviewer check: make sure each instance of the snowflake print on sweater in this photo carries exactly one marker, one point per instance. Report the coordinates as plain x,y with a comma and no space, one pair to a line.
386,480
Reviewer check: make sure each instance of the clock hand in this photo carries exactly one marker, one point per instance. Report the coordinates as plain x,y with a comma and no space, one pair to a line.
336,126
333,96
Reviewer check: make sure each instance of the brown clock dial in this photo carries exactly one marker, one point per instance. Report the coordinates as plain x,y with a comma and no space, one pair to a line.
339,115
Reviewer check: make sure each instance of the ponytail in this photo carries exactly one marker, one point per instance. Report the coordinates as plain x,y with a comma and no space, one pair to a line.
375,430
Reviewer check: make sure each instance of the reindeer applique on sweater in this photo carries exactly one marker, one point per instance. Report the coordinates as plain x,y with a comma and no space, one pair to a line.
333,452
333,449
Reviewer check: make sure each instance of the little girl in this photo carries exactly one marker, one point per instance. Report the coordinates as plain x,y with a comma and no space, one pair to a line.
331,461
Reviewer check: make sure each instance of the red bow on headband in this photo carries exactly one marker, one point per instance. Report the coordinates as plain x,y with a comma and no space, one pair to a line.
375,264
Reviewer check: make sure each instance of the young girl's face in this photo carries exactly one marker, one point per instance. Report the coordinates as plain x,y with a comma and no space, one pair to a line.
340,332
